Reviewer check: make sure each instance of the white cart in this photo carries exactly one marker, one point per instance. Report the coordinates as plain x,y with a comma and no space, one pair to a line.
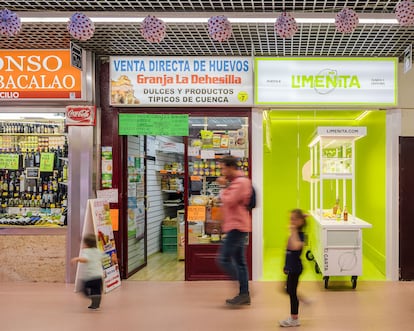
335,243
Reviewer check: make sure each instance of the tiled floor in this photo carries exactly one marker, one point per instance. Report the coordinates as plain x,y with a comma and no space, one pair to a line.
161,267
198,306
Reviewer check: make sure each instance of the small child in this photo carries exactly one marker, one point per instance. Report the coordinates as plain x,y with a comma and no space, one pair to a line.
293,264
93,272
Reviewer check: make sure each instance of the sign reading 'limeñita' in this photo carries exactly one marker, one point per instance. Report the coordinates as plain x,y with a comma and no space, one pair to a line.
181,81
326,81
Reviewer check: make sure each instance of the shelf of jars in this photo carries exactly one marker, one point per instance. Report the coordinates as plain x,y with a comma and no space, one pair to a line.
172,184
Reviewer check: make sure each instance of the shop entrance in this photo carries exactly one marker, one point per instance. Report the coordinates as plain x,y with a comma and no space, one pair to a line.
154,207
406,208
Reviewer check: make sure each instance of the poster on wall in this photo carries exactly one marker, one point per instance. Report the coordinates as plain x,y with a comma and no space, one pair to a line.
98,221
37,74
326,81
106,157
181,81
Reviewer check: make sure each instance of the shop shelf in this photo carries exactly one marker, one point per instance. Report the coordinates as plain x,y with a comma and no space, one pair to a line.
172,172
173,204
336,176
171,191
169,152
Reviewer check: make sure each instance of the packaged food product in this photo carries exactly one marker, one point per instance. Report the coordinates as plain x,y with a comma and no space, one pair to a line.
224,141
196,143
206,139
241,138
216,140
232,138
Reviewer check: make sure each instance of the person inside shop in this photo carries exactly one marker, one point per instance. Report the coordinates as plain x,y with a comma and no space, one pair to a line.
293,264
235,196
92,274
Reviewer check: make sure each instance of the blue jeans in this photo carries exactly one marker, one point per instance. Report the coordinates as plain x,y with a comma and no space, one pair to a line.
232,258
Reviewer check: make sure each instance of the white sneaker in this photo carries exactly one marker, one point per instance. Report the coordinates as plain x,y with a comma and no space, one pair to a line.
289,322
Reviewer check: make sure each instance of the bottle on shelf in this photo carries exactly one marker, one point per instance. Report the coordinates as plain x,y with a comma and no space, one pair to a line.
39,194
37,158
65,172
335,207
11,186
28,193
22,182
345,214
338,213
65,148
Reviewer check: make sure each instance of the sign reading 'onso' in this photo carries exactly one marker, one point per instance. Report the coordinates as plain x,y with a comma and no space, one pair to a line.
38,74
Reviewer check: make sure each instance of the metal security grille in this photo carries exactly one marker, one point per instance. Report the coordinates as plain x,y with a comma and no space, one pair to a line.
193,39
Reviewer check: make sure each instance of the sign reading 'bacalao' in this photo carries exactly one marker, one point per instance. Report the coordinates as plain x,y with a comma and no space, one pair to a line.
181,81
38,74
329,81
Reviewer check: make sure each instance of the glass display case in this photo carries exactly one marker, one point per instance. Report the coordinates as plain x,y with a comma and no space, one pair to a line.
210,139
332,158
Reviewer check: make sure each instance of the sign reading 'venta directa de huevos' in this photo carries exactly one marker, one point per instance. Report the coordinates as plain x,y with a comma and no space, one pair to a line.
326,81
38,74
181,81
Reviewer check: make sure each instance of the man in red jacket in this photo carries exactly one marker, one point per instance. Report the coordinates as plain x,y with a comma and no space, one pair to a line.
235,196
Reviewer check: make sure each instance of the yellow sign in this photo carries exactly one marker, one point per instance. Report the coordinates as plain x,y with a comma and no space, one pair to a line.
9,161
38,74
46,162
196,213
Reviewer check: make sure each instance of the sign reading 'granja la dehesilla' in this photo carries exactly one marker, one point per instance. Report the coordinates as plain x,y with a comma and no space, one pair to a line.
181,81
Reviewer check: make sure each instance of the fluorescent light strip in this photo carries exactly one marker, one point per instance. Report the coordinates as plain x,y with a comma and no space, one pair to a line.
244,20
18,116
362,116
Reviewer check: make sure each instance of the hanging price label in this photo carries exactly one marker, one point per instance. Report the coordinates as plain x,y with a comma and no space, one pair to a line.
46,162
9,161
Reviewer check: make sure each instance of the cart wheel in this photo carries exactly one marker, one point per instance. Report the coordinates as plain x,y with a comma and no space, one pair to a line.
317,269
354,281
309,256
326,279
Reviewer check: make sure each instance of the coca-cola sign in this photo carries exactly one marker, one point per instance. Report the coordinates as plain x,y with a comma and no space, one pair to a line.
80,115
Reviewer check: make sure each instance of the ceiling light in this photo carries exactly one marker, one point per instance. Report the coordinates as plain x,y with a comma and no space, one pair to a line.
18,116
200,18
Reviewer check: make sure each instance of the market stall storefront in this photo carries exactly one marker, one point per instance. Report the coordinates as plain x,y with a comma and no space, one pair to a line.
40,173
314,160
168,202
